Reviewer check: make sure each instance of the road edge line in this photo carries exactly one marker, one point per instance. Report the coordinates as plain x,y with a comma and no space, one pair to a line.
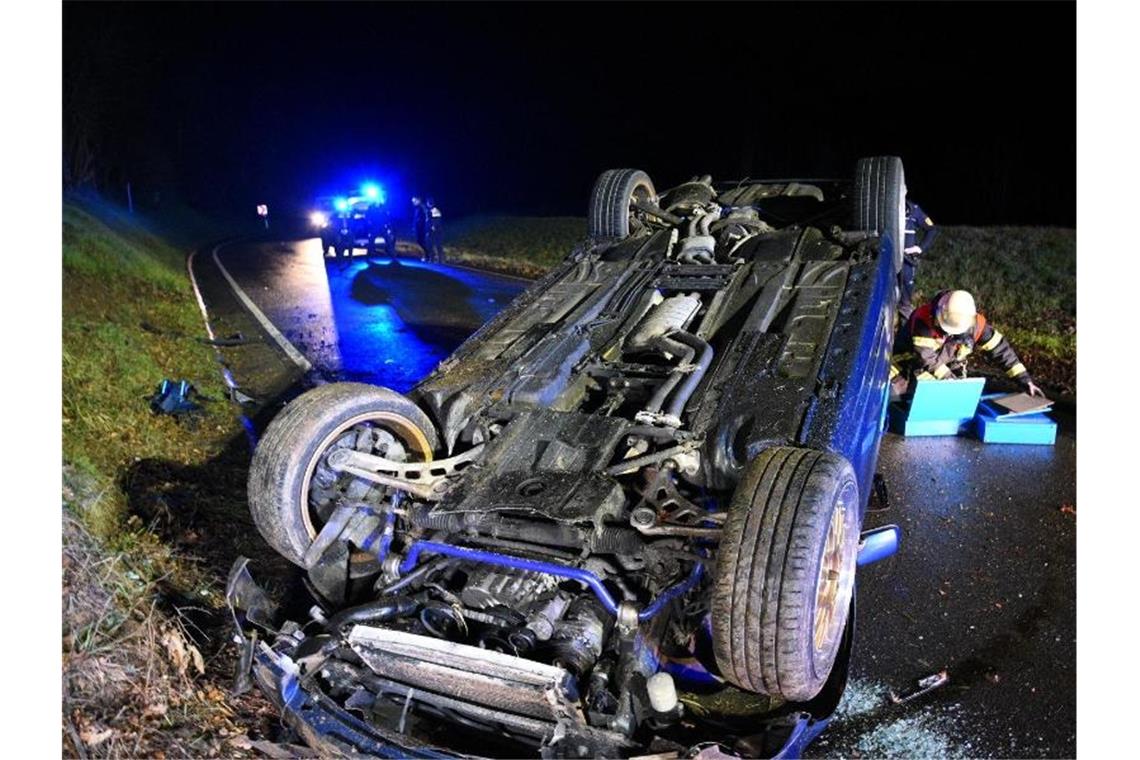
283,342
198,293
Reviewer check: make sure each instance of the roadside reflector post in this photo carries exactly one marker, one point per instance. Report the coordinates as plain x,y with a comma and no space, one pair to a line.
263,212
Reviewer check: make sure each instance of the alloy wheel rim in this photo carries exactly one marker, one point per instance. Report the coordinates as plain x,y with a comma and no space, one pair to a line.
835,579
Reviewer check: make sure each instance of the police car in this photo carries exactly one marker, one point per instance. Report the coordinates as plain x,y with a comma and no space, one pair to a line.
351,221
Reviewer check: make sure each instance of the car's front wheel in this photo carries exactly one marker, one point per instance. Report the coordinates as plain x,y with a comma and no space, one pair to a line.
613,212
786,572
293,491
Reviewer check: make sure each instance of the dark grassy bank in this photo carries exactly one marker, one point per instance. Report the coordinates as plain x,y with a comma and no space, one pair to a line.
144,671
524,246
129,320
1024,278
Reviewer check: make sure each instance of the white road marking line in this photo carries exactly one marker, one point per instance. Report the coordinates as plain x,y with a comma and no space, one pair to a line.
289,349
198,293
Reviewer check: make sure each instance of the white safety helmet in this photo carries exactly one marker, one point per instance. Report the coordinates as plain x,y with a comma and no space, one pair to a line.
956,312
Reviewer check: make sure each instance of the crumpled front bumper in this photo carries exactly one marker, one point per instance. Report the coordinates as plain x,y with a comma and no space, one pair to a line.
320,721
331,730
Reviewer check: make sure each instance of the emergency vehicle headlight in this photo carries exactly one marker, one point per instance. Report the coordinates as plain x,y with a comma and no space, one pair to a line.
319,219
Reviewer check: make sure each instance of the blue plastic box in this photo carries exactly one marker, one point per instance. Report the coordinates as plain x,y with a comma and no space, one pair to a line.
1037,428
939,407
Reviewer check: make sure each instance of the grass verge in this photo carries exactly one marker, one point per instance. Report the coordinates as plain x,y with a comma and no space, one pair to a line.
1024,278
521,246
142,675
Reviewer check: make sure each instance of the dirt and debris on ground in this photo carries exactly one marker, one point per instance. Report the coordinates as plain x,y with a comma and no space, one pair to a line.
141,677
868,724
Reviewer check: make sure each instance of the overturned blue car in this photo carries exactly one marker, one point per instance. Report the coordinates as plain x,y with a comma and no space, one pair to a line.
624,517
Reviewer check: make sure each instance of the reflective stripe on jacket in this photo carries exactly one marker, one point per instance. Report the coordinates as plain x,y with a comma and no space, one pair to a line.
923,348
920,230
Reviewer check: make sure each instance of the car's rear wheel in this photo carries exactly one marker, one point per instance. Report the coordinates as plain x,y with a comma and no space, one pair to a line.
880,201
786,572
612,213
293,492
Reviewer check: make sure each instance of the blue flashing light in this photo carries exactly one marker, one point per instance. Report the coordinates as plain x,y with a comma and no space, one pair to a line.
373,192
340,204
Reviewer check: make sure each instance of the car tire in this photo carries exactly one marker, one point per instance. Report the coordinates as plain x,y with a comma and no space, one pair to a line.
880,201
611,216
786,572
286,495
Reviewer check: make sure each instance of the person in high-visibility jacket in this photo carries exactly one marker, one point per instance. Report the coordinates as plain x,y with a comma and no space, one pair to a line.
938,338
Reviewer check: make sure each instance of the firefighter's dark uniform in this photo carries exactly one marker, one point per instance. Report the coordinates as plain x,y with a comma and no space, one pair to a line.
922,350
920,234
420,226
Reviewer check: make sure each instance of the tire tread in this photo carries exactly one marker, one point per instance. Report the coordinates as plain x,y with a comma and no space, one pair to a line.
276,472
766,568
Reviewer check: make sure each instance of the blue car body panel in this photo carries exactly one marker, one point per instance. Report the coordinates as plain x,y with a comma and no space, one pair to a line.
849,419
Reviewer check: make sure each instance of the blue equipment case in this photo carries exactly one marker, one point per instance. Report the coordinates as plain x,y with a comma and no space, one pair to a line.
938,407
1034,428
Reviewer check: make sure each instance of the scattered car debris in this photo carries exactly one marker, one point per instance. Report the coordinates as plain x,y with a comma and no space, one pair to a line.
177,398
922,686
237,339
239,396
282,751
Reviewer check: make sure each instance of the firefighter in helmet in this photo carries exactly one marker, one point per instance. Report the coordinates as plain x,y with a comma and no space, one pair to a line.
940,335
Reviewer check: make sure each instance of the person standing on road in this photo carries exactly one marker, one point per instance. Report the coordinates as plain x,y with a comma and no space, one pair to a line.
420,225
920,234
435,232
935,342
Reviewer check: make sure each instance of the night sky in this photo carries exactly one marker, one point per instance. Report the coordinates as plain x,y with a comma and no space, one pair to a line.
514,108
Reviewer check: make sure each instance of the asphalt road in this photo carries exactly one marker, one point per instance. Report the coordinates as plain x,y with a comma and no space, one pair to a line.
984,586
299,319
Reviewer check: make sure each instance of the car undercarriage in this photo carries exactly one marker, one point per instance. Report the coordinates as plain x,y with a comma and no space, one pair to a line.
623,517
